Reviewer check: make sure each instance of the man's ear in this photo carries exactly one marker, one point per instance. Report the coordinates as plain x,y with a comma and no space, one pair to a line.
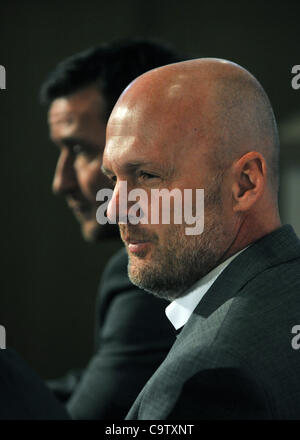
249,174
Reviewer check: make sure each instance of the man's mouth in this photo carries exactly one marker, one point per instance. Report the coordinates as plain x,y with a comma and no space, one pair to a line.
136,246
139,247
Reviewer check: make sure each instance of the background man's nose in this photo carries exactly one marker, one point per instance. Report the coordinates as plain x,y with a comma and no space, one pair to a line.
64,179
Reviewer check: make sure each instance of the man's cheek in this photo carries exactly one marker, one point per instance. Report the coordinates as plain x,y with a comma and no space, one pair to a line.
89,180
95,179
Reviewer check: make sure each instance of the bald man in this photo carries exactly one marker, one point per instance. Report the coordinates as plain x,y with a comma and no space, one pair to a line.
235,288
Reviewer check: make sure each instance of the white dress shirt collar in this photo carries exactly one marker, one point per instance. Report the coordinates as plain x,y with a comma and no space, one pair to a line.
180,310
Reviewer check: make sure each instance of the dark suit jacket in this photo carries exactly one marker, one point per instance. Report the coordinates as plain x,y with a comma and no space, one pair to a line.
234,358
132,339
23,395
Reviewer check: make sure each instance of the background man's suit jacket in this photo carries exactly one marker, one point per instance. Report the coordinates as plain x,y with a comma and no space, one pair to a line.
23,395
234,358
133,337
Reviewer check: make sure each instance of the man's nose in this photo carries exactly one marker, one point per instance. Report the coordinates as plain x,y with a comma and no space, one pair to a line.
64,180
117,209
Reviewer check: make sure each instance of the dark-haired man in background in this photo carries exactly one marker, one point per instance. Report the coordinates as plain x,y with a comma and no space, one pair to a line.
132,336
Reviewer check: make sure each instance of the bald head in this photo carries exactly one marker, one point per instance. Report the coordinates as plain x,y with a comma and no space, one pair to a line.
245,122
211,104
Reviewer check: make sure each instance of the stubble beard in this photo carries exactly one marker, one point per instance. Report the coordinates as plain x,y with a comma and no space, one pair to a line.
173,268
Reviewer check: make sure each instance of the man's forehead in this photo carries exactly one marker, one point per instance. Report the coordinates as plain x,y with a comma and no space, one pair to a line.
138,137
140,123
125,120
121,151
80,105
60,111
132,131
125,149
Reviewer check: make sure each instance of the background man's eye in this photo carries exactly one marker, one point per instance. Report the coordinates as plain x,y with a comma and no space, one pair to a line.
82,150
78,149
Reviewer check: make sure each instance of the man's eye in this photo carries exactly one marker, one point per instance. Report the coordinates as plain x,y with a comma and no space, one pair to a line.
76,149
144,175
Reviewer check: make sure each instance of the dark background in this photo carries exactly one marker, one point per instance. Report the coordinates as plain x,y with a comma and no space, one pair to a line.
48,274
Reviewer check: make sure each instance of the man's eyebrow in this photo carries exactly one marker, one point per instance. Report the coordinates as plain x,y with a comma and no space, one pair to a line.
131,167
71,141
167,171
128,167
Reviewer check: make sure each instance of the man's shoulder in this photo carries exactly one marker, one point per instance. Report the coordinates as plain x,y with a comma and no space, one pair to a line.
114,282
253,327
266,309
269,299
253,302
116,271
23,393
263,272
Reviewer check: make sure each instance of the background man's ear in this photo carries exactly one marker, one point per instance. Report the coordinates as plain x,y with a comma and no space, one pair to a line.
249,181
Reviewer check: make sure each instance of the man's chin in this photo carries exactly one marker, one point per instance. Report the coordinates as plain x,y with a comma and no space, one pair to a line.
142,275
161,279
150,284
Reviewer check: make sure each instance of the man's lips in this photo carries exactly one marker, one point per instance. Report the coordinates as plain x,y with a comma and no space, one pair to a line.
136,246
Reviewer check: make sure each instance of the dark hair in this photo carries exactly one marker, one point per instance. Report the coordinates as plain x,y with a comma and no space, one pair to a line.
111,67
